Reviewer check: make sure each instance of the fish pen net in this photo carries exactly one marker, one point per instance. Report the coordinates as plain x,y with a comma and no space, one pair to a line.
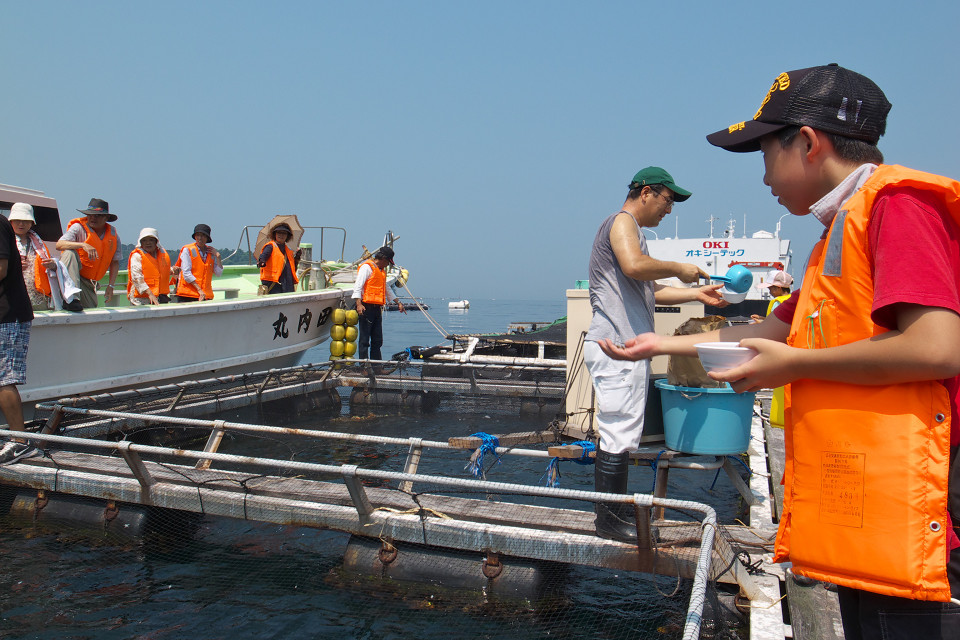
294,515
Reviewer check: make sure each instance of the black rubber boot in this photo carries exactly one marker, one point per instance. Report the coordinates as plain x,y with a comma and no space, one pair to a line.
614,521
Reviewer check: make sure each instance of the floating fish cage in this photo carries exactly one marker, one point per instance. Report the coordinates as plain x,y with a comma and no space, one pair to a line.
279,469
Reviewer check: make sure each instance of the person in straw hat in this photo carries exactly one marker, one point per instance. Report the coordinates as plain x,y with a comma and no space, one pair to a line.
278,265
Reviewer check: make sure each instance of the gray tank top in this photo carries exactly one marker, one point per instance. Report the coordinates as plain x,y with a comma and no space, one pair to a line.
622,307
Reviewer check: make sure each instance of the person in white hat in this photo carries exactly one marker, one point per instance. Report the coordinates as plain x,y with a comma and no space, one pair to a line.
778,283
34,257
148,271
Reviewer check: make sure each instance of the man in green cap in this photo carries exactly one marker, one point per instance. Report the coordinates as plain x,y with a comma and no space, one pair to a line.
623,292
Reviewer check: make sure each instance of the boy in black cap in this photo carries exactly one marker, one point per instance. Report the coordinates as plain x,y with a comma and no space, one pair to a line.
871,500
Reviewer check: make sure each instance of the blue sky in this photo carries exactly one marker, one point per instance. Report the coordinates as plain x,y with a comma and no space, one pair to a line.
492,137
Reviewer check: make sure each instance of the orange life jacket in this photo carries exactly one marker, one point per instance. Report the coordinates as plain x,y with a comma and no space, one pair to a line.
274,267
41,281
375,288
201,269
106,249
865,482
156,272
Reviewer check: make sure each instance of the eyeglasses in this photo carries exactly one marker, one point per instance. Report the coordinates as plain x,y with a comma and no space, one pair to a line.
668,199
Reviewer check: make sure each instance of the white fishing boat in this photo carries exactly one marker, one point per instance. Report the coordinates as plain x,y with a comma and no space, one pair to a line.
114,347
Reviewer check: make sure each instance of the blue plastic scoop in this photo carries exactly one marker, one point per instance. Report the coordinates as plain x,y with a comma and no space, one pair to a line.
738,278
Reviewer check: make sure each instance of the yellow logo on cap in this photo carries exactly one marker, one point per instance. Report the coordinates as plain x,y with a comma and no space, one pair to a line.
736,127
782,83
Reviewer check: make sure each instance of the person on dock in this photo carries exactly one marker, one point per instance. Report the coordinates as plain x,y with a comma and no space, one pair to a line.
778,283
278,264
35,260
371,292
623,292
869,352
148,271
88,250
16,317
196,265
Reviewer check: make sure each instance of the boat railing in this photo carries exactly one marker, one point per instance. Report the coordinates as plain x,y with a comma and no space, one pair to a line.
324,231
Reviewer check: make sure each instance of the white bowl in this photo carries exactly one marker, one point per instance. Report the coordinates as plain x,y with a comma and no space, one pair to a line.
732,296
720,356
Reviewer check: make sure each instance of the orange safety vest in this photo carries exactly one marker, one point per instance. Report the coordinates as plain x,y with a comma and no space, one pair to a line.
156,272
41,281
106,249
375,288
202,270
274,267
865,482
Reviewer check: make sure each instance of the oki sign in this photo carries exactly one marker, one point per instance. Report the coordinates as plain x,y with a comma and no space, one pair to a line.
716,244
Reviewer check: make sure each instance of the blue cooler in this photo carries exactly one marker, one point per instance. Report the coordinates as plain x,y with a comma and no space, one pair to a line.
706,421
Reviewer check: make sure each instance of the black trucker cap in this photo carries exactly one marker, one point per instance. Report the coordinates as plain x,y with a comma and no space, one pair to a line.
829,98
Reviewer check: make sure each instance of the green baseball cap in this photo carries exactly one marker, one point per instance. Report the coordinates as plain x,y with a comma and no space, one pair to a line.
655,175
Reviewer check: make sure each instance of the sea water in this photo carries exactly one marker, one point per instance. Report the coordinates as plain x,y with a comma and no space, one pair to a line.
235,579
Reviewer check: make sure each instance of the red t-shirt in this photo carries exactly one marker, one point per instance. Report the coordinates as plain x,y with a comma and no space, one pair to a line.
915,252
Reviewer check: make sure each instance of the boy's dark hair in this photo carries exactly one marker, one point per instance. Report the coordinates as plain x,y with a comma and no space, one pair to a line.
849,149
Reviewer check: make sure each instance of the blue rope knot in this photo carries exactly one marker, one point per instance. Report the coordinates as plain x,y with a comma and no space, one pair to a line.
489,444
588,448
653,466
552,475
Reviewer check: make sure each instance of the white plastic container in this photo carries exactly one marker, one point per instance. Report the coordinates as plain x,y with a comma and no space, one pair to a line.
720,356
732,296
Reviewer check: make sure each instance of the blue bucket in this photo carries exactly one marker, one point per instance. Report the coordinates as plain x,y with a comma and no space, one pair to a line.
702,421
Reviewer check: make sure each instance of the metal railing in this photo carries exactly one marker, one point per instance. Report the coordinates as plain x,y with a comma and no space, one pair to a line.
353,477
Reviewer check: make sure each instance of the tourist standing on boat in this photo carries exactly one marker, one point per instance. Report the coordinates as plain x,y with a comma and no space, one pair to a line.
148,271
16,317
197,264
34,257
371,293
872,481
622,295
88,249
278,264
778,283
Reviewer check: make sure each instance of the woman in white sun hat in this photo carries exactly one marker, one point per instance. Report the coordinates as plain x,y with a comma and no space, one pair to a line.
34,257
148,270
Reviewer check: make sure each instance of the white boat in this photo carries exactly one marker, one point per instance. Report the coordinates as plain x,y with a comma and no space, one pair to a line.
459,304
760,252
117,347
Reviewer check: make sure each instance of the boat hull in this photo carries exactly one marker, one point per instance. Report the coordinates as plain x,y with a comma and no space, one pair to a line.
123,347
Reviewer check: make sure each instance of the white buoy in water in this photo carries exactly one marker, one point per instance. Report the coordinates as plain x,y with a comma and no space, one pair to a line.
459,304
